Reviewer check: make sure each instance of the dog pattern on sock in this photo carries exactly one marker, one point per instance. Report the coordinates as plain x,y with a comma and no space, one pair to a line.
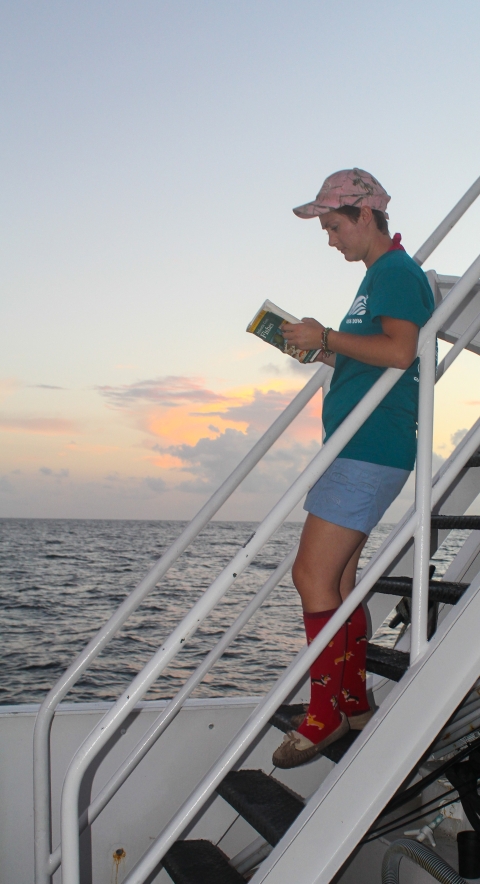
353,698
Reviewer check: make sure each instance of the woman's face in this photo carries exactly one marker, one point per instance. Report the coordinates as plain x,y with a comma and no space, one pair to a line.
349,237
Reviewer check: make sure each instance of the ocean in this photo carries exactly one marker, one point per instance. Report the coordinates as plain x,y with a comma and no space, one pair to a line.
61,579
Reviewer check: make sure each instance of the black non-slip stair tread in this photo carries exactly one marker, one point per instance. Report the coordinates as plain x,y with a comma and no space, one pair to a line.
462,523
265,803
199,862
387,661
337,750
439,590
282,718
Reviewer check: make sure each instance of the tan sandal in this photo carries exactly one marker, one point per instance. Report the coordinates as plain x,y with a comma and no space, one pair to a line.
297,749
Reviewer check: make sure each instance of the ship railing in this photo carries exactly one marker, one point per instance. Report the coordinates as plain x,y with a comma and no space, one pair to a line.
287,683
461,455
419,525
43,724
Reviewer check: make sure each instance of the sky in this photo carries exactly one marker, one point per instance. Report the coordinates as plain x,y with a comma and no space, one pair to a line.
152,153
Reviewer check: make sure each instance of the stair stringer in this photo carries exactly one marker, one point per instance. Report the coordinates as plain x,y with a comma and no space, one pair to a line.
351,797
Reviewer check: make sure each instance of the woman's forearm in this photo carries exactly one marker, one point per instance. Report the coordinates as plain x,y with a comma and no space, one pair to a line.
381,350
394,347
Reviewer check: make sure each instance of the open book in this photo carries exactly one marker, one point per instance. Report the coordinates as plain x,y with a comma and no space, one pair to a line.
267,325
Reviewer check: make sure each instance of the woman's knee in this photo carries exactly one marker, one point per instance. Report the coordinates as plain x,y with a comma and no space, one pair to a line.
300,575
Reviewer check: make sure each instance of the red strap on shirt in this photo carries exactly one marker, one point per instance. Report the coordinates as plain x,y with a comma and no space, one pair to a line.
396,246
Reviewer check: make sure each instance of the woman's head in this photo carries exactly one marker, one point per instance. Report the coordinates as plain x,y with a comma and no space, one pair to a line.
351,206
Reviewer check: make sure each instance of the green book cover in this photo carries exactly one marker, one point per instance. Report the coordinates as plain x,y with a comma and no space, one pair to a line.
267,325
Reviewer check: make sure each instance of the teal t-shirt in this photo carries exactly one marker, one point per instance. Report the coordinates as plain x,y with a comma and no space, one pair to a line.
393,286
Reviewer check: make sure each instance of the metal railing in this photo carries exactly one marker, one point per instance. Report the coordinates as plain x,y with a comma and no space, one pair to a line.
297,669
417,523
41,746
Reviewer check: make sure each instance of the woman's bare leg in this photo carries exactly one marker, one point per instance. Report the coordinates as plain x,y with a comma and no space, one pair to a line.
349,576
325,568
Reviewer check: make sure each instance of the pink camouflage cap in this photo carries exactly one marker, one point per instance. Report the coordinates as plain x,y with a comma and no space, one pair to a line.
349,187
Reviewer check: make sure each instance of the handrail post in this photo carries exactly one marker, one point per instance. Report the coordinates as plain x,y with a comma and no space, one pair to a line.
42,809
423,500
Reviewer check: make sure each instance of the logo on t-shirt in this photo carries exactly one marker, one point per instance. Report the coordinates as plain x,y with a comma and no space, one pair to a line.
359,306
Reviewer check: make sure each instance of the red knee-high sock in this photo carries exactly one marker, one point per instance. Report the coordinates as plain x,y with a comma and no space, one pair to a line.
353,695
323,716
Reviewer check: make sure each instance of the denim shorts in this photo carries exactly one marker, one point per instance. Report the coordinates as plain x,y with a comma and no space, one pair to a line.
355,494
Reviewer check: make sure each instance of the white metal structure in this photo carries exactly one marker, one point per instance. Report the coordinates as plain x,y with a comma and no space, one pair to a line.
456,319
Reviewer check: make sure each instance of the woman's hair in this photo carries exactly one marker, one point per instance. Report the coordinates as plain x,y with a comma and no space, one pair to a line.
353,212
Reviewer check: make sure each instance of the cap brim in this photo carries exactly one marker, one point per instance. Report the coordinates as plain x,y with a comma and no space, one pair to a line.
310,210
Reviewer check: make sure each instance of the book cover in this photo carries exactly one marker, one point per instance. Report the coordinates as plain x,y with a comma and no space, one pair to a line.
267,325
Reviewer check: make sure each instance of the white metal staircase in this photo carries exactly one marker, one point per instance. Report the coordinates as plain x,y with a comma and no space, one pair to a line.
325,831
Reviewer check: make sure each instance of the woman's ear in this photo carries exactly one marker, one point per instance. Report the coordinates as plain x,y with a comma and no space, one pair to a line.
366,215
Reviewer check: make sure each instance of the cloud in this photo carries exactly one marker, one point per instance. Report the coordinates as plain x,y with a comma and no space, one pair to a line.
258,413
45,387
48,426
168,391
457,437
59,474
210,461
155,484
304,369
270,368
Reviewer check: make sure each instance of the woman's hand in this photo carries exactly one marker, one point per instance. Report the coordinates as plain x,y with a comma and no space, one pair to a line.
305,335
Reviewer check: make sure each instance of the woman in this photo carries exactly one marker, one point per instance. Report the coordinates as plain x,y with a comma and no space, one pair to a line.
379,331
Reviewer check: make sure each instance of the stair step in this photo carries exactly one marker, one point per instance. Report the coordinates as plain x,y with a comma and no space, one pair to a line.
265,803
439,591
474,461
463,523
387,661
199,862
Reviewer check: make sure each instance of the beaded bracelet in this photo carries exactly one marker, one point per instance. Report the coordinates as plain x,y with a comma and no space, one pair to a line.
325,349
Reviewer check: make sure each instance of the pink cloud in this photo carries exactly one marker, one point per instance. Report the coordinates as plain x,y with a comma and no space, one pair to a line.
168,391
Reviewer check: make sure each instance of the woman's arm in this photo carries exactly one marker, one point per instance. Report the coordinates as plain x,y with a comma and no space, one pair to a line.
327,360
396,347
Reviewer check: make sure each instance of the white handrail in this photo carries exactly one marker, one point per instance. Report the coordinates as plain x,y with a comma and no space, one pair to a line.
448,222
41,754
174,706
288,681
152,670
158,727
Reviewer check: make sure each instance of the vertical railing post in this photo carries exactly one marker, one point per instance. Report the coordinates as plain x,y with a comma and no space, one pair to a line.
423,499
42,812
